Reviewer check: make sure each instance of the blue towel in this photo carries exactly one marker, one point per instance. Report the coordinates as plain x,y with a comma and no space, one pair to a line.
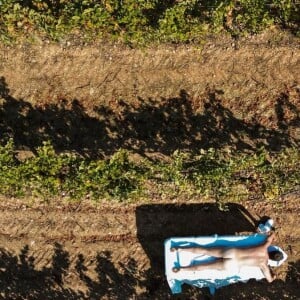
211,278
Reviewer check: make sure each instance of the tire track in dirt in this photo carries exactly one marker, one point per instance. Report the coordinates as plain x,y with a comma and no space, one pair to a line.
69,224
99,74
108,238
111,224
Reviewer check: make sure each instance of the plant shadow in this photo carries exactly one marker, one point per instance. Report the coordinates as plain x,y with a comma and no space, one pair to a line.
150,126
20,279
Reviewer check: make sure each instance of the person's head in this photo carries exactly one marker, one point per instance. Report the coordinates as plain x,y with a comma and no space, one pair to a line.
275,255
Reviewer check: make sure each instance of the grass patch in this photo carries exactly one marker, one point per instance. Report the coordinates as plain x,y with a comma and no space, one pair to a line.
143,21
215,174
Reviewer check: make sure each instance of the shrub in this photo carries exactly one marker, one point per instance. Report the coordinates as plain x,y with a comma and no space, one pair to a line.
215,174
140,21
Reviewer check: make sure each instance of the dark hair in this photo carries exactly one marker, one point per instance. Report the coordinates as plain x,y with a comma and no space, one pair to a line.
275,255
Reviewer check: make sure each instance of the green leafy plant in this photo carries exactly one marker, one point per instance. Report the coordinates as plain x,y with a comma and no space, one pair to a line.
179,23
142,21
251,16
216,174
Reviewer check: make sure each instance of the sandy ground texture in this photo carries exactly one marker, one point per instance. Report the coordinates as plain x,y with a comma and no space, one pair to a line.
95,99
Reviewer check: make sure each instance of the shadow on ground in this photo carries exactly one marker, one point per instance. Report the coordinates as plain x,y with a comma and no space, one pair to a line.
21,278
147,127
156,223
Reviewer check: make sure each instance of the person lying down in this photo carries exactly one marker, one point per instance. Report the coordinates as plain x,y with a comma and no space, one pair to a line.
233,258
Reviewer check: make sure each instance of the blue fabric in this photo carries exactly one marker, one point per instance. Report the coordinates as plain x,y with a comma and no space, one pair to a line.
214,241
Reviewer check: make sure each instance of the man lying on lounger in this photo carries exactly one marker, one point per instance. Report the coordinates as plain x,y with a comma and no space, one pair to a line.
232,259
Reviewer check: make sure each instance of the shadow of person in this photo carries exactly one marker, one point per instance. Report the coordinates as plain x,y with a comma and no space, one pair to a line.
156,223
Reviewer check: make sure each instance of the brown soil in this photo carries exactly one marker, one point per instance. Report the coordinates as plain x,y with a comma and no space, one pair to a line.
95,99
99,98
115,251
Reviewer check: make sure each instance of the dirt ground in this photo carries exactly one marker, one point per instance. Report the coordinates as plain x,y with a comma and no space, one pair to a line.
115,251
94,99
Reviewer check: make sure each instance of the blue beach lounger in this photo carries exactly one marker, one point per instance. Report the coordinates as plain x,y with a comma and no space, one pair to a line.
212,279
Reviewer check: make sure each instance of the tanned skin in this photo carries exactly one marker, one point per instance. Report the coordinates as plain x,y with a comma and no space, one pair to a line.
233,258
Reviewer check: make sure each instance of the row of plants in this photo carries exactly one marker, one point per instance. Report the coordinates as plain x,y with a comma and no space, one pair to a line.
142,21
215,174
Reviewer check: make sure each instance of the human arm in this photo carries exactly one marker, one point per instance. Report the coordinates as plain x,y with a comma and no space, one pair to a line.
267,273
270,239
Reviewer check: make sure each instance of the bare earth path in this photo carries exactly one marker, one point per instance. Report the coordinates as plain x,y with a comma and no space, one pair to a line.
97,99
260,66
116,251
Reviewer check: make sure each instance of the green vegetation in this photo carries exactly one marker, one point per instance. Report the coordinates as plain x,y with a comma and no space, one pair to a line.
142,21
219,175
